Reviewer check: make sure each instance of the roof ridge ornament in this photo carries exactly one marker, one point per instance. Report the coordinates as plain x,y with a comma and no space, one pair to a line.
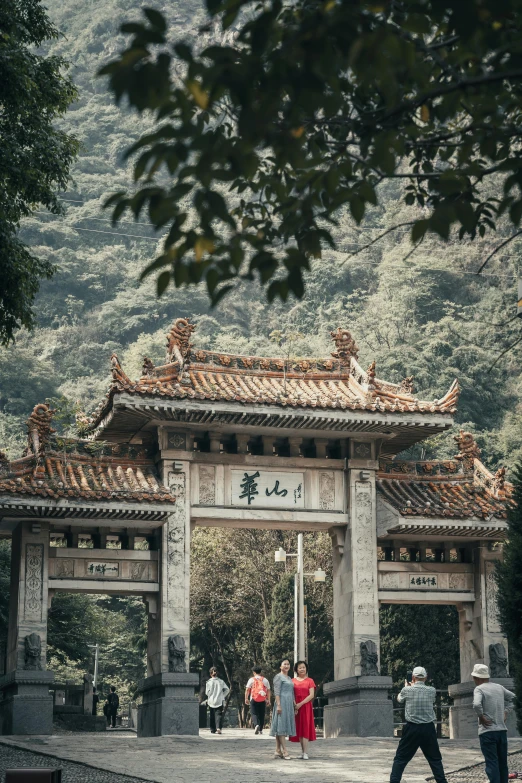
39,429
406,385
469,450
345,346
178,342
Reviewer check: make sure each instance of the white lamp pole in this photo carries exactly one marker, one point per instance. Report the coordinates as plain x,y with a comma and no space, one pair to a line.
299,618
300,571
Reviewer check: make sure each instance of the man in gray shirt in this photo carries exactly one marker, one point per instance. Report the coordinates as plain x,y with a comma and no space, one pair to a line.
419,729
491,702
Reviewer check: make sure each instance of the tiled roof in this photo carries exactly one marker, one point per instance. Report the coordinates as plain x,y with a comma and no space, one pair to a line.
460,488
65,468
337,382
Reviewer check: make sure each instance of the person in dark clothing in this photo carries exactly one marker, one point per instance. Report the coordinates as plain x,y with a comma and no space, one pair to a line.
114,703
95,700
419,730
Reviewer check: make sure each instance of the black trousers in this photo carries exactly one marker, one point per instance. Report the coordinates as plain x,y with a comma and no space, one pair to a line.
494,746
257,711
111,717
213,712
415,736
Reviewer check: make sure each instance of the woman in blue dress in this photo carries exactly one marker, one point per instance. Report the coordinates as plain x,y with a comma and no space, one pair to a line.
283,716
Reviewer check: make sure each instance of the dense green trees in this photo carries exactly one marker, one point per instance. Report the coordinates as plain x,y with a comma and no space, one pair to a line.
36,156
291,114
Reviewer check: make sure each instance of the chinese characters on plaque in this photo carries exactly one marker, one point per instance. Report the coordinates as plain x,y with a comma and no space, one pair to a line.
102,569
267,489
423,582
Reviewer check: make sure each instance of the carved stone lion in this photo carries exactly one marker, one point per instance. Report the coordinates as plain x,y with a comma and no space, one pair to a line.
32,652
177,654
498,660
369,659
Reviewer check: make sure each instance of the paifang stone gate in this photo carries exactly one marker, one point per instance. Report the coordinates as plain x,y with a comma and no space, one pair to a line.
238,441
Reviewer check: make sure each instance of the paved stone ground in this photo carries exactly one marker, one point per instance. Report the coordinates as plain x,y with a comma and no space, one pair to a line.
15,758
239,757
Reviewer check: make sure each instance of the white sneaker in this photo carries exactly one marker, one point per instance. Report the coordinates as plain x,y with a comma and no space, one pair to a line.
256,730
304,756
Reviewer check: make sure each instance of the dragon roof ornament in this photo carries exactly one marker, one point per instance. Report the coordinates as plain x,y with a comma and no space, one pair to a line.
469,450
345,345
39,429
178,341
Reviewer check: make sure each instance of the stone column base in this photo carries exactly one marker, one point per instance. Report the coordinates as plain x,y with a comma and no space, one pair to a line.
359,706
169,705
463,721
26,706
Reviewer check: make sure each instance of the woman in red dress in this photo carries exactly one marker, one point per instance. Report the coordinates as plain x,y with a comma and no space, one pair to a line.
304,690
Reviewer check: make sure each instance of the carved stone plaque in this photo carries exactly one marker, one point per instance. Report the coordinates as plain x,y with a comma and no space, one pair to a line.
364,561
492,615
207,485
177,440
139,571
362,450
63,567
326,491
258,488
33,581
102,569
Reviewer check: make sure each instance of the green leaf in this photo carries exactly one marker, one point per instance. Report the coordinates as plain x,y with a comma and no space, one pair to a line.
162,283
419,229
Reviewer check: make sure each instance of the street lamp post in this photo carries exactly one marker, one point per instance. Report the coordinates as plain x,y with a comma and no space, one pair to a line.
299,610
96,660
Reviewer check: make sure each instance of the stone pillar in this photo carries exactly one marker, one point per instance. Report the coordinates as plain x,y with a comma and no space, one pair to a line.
358,699
169,705
481,641
26,706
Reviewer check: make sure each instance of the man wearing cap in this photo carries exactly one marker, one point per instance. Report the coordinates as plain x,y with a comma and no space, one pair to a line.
419,729
491,702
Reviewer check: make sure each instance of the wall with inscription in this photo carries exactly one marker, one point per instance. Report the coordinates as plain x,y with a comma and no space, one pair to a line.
267,489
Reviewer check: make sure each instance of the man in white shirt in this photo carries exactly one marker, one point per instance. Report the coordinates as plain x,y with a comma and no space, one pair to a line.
491,703
257,696
216,691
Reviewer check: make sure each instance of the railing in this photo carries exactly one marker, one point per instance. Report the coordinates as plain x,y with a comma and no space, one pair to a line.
442,705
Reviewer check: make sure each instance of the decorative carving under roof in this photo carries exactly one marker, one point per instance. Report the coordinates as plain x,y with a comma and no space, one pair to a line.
178,341
39,429
345,345
468,449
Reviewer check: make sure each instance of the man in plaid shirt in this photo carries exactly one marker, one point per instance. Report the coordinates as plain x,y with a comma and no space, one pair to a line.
419,728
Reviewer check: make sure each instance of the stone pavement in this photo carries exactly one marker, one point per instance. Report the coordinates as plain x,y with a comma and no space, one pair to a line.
239,757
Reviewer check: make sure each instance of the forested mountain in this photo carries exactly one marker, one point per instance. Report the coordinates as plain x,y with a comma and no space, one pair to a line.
423,313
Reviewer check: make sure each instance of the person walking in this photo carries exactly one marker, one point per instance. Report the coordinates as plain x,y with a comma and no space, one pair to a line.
95,700
106,711
304,692
491,703
257,697
114,703
283,716
419,729
216,691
